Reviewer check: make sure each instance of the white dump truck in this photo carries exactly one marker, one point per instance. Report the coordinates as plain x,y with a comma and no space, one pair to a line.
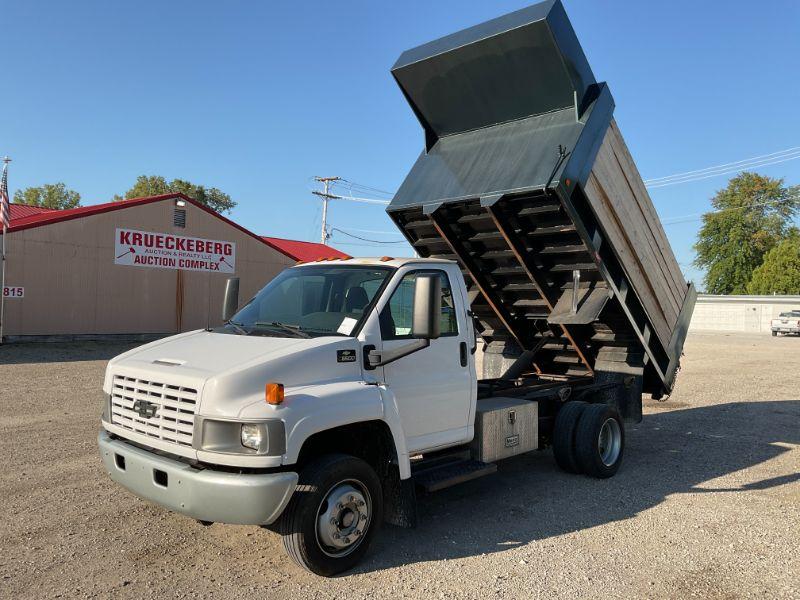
344,388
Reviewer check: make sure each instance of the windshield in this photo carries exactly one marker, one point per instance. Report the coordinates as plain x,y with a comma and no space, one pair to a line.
312,301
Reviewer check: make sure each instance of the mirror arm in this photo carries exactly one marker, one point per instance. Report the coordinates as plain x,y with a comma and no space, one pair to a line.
378,359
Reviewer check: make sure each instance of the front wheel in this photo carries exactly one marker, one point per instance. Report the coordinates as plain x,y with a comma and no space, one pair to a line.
774,334
333,515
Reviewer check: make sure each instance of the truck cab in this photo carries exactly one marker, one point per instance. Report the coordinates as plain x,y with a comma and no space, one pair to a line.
329,360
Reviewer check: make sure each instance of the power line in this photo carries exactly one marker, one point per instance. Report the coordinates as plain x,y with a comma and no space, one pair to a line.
367,239
657,179
365,188
360,245
721,170
374,231
762,160
698,216
726,172
364,200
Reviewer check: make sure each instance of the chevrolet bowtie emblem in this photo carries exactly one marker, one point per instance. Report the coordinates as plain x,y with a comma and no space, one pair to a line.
145,409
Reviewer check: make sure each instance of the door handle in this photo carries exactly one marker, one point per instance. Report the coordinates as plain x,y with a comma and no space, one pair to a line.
462,349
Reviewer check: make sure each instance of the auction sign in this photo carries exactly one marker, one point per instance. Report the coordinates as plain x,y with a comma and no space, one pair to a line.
168,251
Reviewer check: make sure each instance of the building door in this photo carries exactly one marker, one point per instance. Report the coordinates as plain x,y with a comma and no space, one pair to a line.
752,318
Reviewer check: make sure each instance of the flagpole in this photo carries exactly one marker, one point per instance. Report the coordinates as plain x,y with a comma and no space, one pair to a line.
3,286
6,160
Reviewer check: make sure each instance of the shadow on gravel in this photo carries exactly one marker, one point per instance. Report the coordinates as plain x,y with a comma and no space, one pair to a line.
670,452
39,352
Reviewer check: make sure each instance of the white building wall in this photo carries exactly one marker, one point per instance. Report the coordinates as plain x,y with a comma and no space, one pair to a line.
740,313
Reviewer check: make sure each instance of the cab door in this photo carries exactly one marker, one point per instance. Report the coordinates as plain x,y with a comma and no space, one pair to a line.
433,387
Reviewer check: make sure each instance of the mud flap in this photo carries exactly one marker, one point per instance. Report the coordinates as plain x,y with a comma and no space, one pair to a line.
399,500
626,395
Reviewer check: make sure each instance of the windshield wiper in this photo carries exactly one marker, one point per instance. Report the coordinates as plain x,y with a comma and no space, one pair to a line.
237,326
295,329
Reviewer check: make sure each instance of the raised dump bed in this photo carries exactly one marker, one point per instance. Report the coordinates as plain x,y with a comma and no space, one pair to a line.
526,181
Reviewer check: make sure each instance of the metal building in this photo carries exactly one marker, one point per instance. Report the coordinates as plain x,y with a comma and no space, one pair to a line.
751,314
142,267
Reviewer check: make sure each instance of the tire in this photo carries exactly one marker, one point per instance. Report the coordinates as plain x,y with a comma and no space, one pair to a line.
774,334
564,435
600,441
335,487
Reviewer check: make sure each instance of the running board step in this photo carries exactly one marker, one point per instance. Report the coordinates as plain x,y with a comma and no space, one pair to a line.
438,478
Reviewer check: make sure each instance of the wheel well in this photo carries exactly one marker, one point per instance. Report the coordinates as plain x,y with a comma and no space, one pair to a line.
370,441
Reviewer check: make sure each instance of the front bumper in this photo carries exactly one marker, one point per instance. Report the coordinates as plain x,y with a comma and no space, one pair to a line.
206,495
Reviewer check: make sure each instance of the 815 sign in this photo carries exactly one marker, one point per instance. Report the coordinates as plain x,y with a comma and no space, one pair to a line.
13,292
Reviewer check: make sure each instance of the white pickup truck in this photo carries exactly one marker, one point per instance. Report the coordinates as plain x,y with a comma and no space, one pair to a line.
323,405
786,323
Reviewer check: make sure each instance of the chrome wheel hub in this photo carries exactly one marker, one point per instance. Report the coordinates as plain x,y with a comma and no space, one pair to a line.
609,442
343,518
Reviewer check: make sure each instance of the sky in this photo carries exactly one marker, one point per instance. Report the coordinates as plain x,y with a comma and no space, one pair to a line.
256,98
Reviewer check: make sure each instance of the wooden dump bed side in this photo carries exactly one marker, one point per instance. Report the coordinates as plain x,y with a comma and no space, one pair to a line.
625,211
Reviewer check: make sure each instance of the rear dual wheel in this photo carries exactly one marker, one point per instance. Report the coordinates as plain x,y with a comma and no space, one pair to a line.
589,439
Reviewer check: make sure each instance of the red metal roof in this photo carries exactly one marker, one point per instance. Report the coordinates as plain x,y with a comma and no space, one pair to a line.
304,251
291,248
56,216
20,211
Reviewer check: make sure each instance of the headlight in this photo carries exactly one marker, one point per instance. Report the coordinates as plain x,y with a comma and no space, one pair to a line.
252,436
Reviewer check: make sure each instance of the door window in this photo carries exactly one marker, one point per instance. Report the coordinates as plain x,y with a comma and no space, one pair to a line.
396,316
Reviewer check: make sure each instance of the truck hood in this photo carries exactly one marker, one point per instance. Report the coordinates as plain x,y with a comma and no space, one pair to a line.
230,371
204,353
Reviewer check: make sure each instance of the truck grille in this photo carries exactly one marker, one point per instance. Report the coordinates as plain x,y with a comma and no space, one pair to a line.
174,406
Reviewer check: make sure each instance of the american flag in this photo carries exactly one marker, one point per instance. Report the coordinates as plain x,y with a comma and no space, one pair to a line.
5,208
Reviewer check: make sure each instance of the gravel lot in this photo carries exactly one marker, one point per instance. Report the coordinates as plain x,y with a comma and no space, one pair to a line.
707,503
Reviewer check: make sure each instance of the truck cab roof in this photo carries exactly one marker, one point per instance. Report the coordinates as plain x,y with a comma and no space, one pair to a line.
380,261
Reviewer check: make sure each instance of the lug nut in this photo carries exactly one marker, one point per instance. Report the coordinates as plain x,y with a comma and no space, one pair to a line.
361,503
363,517
336,536
346,540
339,505
333,521
352,498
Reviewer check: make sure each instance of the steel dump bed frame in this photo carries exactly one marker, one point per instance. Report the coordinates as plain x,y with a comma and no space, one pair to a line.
526,181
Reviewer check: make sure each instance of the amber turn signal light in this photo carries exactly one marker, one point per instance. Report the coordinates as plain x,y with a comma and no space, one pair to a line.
274,393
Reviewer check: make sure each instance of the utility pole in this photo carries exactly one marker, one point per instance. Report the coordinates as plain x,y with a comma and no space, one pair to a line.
325,195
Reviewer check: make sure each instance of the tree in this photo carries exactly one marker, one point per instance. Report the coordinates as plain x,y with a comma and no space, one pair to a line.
49,195
780,271
752,215
154,185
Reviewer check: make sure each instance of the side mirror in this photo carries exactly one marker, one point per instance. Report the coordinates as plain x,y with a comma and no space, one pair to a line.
231,301
425,323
